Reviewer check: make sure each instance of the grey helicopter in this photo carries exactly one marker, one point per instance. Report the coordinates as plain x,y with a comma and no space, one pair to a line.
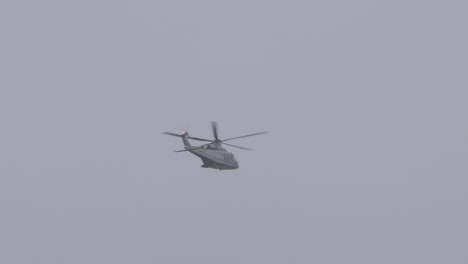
213,154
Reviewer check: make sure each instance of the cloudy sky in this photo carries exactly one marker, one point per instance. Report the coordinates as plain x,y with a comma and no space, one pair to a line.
366,103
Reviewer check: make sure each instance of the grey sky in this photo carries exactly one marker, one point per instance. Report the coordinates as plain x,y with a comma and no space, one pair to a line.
365,102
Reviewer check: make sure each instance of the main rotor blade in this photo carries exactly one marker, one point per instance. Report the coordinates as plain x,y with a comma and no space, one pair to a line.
254,134
236,146
200,139
214,127
189,137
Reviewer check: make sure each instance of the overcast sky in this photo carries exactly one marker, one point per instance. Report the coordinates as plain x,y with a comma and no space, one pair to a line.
366,103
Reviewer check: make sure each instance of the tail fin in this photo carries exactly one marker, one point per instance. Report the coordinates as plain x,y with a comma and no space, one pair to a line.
185,140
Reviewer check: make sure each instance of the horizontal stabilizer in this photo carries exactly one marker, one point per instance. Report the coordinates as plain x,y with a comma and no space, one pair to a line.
180,150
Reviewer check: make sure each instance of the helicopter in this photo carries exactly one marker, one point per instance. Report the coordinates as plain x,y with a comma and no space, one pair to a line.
213,154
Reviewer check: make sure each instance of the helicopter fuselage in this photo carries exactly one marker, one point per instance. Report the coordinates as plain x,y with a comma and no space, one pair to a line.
214,156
